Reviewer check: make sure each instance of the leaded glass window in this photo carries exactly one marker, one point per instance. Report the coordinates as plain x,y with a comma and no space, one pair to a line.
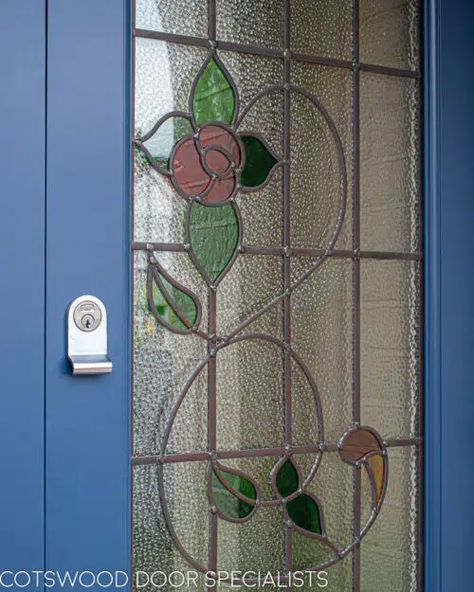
277,299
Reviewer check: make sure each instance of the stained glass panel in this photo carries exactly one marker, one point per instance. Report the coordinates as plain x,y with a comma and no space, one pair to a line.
276,289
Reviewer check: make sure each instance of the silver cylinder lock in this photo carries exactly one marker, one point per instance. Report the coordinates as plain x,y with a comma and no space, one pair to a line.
87,336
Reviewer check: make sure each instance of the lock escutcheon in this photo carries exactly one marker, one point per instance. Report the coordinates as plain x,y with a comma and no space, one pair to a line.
87,316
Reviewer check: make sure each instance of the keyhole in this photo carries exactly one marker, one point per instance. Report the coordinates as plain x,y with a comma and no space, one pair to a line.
87,321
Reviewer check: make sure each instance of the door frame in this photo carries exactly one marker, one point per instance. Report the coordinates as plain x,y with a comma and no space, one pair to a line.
449,294
32,258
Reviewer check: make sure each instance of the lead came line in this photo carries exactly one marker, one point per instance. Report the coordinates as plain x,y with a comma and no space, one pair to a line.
356,280
286,241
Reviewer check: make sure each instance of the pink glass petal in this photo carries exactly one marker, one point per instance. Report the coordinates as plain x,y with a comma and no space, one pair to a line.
217,162
222,190
188,172
215,135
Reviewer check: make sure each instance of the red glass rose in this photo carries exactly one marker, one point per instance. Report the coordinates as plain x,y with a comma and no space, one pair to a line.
205,165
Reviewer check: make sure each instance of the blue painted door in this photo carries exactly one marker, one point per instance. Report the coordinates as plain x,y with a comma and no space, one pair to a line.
65,199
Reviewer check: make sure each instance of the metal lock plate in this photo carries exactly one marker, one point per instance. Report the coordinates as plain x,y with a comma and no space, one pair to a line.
87,336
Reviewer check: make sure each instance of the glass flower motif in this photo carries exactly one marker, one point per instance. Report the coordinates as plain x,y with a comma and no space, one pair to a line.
209,160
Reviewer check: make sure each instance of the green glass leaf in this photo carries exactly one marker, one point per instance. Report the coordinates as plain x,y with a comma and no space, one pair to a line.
158,147
213,98
229,491
304,511
259,162
287,480
214,235
174,306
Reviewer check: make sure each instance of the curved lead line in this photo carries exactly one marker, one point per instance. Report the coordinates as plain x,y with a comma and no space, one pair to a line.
317,404
156,272
219,469
162,120
299,362
151,160
193,328
140,142
342,201
158,318
268,91
179,400
169,524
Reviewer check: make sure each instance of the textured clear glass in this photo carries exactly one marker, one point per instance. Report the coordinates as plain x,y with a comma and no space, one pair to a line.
337,577
251,75
164,73
333,486
390,189
154,549
264,206
333,88
253,281
250,23
181,17
255,545
390,347
315,177
249,395
322,336
322,28
391,551
158,211
390,33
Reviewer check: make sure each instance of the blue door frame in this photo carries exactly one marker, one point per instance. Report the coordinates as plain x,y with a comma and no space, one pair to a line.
64,443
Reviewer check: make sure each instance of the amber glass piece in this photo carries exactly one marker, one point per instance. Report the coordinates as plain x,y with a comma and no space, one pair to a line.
259,162
359,443
232,493
287,480
213,96
376,463
304,511
214,233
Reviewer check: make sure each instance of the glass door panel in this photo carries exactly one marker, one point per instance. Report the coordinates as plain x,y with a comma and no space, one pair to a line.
277,297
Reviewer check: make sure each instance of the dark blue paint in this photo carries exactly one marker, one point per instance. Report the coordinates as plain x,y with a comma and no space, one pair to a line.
449,296
22,191
87,418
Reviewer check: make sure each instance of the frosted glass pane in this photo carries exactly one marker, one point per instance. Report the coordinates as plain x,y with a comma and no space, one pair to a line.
391,551
322,28
182,17
390,163
390,347
250,22
322,336
333,88
389,33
